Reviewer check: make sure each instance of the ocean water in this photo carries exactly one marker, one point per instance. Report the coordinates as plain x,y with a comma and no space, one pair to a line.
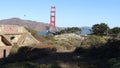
42,33
84,31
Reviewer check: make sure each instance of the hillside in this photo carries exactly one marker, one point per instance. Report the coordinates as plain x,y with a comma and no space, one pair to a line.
38,26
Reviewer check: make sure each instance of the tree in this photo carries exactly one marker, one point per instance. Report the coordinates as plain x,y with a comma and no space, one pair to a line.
71,30
115,31
100,29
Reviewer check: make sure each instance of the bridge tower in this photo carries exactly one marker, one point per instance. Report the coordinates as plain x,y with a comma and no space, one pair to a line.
52,26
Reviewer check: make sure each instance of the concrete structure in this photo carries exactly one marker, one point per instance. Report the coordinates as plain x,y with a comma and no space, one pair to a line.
13,34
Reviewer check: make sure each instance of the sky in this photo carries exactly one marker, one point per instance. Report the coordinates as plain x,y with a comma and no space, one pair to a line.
69,13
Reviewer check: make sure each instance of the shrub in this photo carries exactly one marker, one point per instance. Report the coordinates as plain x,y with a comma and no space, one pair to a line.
114,62
50,37
60,48
33,32
29,64
93,41
14,49
29,53
109,50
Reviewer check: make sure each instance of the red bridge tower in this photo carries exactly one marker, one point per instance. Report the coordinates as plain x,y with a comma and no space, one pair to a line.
52,27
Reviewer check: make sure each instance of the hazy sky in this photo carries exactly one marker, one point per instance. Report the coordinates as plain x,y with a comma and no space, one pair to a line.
70,13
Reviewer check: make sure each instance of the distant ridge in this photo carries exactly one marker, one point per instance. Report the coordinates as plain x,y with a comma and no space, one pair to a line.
38,26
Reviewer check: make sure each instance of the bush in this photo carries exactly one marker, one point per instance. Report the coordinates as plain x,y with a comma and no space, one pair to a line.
14,49
60,48
29,53
114,62
33,32
50,37
93,41
29,64
69,44
109,50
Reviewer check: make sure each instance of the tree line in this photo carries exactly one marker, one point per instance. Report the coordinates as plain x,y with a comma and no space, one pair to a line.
101,29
